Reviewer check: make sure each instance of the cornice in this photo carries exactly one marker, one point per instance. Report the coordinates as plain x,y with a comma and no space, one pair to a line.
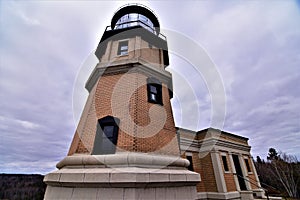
207,144
128,66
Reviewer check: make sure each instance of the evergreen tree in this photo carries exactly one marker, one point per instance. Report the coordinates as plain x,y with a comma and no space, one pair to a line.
272,155
258,160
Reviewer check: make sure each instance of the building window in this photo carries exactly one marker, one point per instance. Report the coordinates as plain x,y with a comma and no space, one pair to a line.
190,159
106,135
154,91
247,164
225,164
123,48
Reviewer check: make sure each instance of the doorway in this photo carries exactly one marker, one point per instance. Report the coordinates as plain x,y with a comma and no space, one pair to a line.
239,172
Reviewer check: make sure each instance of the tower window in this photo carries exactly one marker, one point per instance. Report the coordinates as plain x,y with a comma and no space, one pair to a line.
123,48
224,159
154,91
106,135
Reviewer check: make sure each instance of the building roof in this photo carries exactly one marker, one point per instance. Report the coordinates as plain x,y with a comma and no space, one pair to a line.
204,131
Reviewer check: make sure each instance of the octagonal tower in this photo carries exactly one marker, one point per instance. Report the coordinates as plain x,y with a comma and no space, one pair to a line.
125,143
131,87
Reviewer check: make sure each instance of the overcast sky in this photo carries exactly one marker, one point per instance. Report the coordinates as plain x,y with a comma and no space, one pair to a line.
44,46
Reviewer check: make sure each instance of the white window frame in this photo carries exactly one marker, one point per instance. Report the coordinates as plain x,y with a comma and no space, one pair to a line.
227,161
249,162
119,49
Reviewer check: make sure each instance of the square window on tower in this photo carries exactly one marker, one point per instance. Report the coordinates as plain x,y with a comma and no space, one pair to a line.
106,135
154,91
123,48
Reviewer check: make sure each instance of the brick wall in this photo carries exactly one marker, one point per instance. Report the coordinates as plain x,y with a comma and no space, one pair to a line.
204,167
144,126
86,130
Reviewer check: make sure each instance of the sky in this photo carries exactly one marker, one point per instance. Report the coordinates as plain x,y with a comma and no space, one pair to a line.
46,55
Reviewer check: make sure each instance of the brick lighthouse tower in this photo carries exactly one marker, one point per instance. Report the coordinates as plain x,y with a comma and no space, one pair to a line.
125,145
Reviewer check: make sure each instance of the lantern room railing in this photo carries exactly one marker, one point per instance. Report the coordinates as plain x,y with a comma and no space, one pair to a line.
136,23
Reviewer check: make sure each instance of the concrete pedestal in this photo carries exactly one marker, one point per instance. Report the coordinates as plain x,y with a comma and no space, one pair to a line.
122,176
259,193
246,195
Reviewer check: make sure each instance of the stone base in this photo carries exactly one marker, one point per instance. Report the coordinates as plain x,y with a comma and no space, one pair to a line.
259,193
122,176
157,193
218,195
246,195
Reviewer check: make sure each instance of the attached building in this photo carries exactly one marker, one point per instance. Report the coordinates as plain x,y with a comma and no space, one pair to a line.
224,162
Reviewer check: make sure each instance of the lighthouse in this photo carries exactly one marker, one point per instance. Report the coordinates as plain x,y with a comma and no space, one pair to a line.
125,145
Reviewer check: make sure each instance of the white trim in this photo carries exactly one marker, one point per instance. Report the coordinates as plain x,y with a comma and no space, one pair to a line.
123,160
123,40
119,41
225,154
254,172
128,65
247,158
244,171
218,171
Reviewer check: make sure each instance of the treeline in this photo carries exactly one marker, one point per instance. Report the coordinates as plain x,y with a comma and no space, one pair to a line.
22,186
279,174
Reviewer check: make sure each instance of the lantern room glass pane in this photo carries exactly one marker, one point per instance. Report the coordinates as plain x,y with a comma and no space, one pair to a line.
135,19
133,16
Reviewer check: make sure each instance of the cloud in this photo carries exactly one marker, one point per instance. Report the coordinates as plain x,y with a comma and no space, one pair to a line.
16,122
255,46
43,45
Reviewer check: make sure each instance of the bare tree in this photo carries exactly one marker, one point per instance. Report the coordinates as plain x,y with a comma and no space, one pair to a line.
285,168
